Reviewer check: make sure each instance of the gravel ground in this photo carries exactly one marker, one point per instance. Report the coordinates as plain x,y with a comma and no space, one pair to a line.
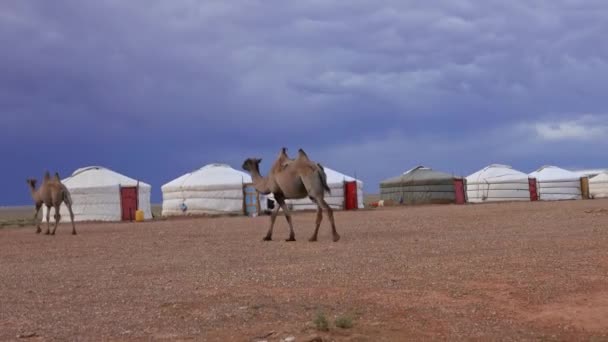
509,272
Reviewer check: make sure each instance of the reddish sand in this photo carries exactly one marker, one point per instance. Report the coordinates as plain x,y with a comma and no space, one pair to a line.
511,271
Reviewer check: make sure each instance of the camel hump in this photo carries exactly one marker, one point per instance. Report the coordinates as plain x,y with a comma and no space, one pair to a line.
283,155
57,178
47,176
302,154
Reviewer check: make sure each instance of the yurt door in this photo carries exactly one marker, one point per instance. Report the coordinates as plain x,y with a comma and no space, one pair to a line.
128,202
459,191
350,195
533,189
251,200
585,187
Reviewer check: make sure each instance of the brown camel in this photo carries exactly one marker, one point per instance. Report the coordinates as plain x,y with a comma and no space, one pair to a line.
293,179
50,193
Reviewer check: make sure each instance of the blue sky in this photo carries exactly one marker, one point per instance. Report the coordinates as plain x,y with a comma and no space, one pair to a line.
154,89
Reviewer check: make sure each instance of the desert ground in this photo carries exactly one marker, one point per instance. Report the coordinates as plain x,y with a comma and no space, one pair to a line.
508,272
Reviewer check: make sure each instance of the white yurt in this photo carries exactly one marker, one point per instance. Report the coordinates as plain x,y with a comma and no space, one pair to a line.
100,194
555,183
498,182
337,198
589,172
212,189
598,186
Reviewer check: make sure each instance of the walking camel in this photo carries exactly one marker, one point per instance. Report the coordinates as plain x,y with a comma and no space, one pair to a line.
51,193
293,179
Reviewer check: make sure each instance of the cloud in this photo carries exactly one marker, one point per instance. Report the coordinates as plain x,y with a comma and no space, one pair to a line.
182,82
588,127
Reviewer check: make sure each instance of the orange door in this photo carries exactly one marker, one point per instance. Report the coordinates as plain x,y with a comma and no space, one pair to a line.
128,200
350,195
459,191
533,190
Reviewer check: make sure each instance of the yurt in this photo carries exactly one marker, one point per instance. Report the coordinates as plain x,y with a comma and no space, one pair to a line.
498,182
423,185
212,189
554,183
100,194
598,186
589,172
346,193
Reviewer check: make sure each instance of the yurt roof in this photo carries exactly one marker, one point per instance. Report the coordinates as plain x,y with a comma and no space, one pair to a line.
98,176
600,178
496,173
553,173
589,172
215,174
418,174
334,176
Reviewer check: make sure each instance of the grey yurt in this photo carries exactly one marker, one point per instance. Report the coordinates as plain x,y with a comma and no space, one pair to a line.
423,185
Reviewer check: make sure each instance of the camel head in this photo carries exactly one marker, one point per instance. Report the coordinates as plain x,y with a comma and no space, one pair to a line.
252,164
31,182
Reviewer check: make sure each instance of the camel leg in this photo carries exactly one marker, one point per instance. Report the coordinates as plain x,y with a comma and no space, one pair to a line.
36,211
48,219
330,213
273,218
313,238
72,219
57,218
292,234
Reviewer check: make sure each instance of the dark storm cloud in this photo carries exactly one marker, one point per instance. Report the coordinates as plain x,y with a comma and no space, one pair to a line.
376,86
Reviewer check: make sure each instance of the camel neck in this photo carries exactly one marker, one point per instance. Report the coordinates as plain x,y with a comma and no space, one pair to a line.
33,191
259,182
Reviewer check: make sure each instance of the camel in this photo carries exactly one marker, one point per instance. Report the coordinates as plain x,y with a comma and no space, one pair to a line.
50,193
293,179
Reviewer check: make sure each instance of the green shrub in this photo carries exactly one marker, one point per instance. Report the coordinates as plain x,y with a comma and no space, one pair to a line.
321,322
344,322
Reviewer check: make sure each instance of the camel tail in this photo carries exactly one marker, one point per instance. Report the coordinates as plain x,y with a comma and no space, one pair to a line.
67,198
323,177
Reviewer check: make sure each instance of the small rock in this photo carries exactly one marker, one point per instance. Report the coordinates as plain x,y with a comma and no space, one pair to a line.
315,338
289,339
27,335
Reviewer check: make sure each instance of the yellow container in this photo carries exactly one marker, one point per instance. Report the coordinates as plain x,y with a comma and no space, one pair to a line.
139,216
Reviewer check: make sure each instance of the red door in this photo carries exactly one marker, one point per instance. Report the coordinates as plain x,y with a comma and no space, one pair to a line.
459,197
350,195
533,191
128,200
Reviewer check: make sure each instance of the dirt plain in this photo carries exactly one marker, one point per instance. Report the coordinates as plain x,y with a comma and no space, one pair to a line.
508,272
